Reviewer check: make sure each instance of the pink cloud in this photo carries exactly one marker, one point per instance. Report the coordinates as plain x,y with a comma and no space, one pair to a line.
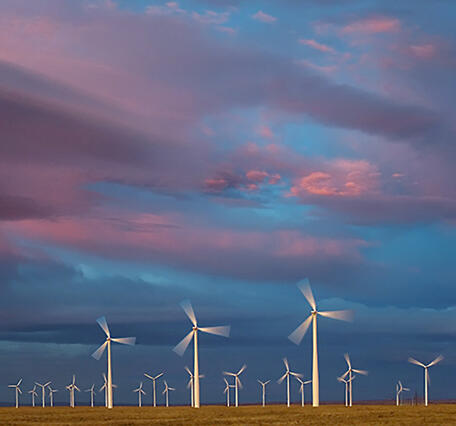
264,17
265,132
315,45
374,25
259,176
423,51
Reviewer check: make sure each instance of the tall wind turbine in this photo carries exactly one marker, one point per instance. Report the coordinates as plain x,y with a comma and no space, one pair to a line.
183,344
51,395
237,382
17,391
426,374
263,390
140,393
348,373
287,375
71,388
33,394
227,391
99,352
166,392
301,389
299,333
43,394
399,390
92,393
346,382
153,386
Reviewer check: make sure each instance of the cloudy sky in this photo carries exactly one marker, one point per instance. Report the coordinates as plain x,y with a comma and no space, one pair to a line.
220,151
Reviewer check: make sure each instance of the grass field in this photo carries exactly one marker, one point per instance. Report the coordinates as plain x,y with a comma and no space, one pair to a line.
438,414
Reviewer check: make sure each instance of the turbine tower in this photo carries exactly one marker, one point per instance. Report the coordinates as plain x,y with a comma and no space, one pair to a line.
154,401
99,352
342,380
51,395
166,392
33,394
71,388
92,393
349,372
426,374
399,390
287,375
263,391
17,391
299,333
237,382
183,344
140,393
301,389
43,394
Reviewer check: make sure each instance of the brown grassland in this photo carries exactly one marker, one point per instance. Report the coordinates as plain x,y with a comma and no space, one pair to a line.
437,414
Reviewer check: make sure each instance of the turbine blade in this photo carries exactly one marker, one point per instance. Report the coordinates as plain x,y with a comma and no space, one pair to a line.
223,330
187,307
296,374
266,382
347,359
188,371
125,340
159,375
307,382
304,286
282,378
285,361
344,315
47,384
227,373
19,382
182,345
99,352
299,380
345,374
104,325
405,389
242,369
239,382
149,377
363,372
226,381
437,360
414,361
299,333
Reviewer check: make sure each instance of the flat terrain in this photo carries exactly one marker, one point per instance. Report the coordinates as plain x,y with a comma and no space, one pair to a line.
438,414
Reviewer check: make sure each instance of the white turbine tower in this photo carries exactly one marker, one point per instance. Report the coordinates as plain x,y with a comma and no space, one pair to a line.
43,394
51,395
140,393
299,333
166,392
191,386
287,375
227,391
17,391
237,382
399,390
182,345
153,386
99,352
71,388
301,389
92,393
33,394
346,382
426,374
263,391
349,372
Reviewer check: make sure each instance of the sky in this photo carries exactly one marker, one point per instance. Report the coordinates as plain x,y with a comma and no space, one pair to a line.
221,151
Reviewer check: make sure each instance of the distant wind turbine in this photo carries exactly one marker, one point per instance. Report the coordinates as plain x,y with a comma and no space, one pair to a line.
426,374
71,388
105,388
51,395
287,375
17,391
140,393
350,377
92,393
399,390
183,344
346,382
263,391
154,400
33,394
227,391
301,389
299,333
166,392
190,385
99,352
43,394
237,382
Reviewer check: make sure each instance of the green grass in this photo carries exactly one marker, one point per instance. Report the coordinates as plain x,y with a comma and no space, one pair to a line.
437,414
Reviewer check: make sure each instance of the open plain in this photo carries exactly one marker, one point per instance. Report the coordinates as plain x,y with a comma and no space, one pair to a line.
437,414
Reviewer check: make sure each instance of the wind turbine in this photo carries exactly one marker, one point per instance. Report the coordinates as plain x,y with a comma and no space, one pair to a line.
190,385
99,352
263,390
301,389
299,333
287,375
183,344
17,391
51,395
426,374
399,390
140,393
33,394
92,393
342,380
166,391
237,382
350,378
71,388
227,391
105,387
43,395
153,386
